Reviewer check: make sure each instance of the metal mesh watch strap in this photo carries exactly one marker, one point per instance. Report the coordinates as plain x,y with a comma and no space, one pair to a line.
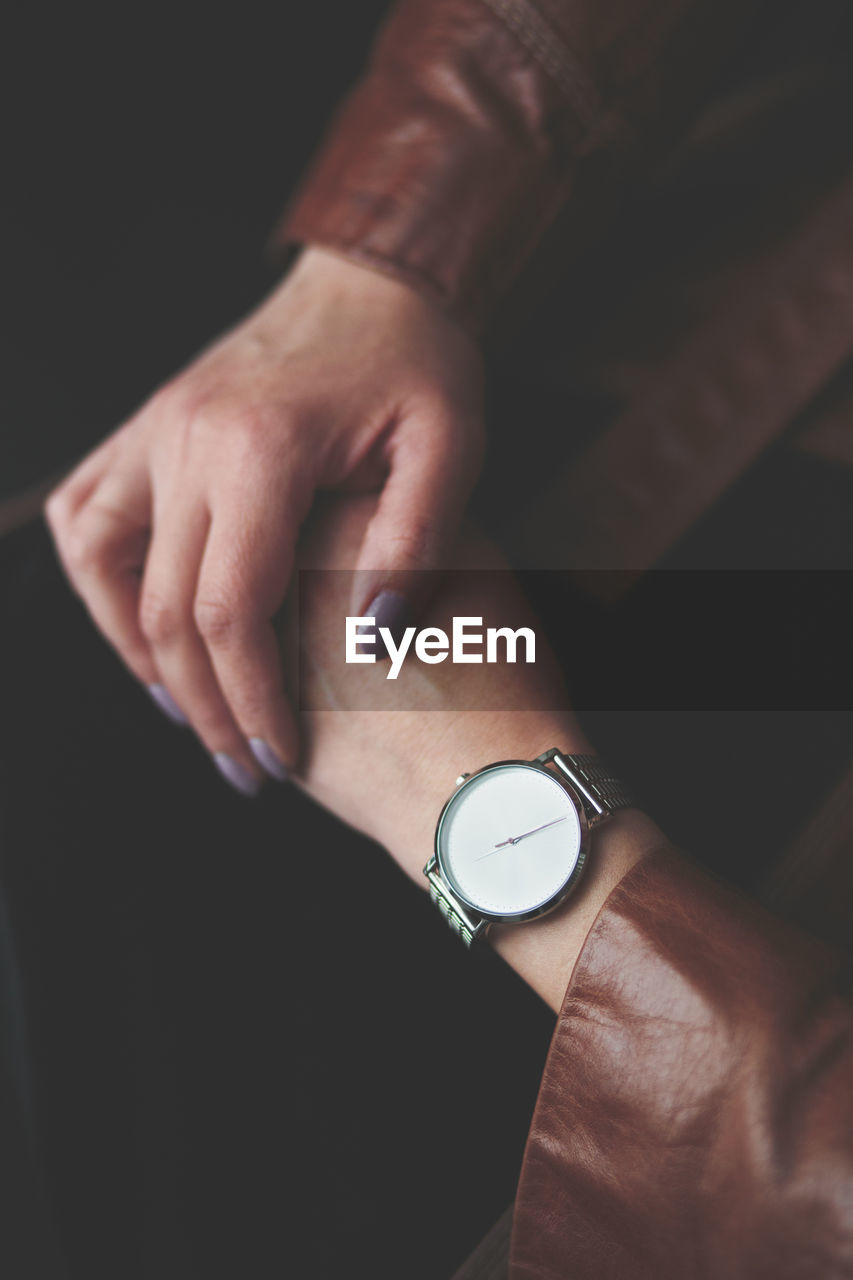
602,792
460,921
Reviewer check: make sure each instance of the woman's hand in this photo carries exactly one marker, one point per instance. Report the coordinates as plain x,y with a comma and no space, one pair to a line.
179,530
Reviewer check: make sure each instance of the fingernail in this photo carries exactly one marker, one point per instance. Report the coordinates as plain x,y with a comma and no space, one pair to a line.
268,760
237,774
390,610
167,703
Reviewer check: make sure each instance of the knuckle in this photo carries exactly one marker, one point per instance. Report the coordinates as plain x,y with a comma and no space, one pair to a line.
173,397
241,435
224,414
81,552
57,507
218,618
202,413
160,621
188,412
246,422
256,437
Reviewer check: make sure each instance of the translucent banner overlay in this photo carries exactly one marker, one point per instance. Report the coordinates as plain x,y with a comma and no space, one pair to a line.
674,640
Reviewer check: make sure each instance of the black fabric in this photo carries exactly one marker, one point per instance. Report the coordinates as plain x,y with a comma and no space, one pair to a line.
235,1073
28,1245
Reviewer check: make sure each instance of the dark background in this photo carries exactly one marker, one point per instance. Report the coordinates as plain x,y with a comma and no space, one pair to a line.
256,1051
243,1067
148,151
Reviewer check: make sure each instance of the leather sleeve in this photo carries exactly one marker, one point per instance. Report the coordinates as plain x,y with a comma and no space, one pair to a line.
695,1118
477,120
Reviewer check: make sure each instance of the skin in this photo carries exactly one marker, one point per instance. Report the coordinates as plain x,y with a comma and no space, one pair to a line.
179,531
388,771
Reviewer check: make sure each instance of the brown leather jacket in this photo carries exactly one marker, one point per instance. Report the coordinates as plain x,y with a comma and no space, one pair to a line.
479,120
696,1112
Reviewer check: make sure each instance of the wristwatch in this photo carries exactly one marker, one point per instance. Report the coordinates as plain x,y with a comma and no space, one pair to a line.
513,840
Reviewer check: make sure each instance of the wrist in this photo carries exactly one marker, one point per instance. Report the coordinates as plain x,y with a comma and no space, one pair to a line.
329,269
545,952
365,279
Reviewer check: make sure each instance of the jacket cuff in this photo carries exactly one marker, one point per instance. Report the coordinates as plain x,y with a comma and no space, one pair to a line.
694,1115
446,164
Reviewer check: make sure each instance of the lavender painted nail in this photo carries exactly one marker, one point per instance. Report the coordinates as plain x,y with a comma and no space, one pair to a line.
268,760
235,773
390,610
167,704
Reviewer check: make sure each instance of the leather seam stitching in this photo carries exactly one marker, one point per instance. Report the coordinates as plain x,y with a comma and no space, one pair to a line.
540,39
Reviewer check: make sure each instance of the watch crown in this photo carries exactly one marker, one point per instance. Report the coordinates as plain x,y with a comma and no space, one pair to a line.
462,778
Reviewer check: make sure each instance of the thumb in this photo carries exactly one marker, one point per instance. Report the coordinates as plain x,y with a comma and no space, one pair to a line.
408,540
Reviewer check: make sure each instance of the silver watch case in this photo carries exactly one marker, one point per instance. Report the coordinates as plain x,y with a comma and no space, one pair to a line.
434,866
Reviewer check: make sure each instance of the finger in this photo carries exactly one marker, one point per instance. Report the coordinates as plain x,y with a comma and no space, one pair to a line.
244,577
167,622
415,523
80,483
102,548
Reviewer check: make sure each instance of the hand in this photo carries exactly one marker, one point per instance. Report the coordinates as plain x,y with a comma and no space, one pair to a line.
388,772
178,531
518,839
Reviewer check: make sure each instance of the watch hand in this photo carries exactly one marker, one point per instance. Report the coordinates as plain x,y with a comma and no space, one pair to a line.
552,823
523,836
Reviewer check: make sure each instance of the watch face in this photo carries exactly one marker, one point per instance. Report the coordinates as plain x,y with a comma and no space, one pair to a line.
509,840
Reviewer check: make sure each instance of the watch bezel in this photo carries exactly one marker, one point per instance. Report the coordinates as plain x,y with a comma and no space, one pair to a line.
569,885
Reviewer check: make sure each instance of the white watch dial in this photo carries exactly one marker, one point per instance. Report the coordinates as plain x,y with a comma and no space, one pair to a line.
509,840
